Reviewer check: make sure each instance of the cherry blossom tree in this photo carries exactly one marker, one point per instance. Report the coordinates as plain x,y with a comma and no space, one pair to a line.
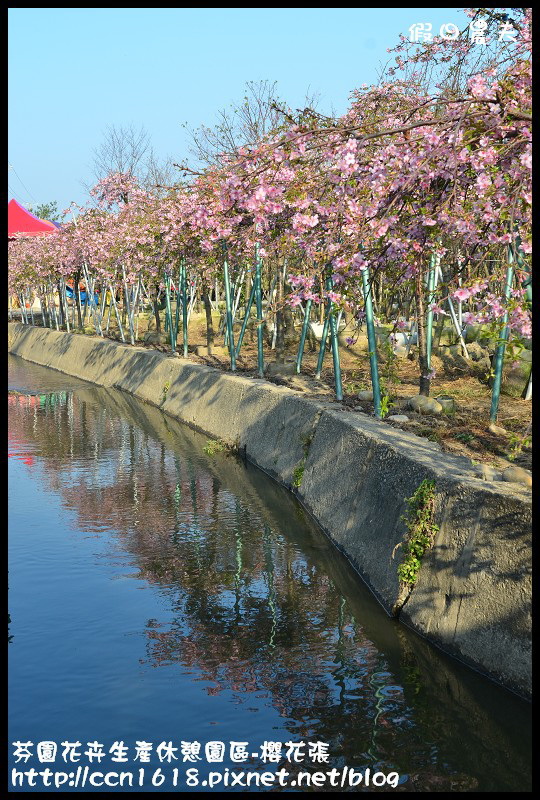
416,171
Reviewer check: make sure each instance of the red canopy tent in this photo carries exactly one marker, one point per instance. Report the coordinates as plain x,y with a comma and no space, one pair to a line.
23,223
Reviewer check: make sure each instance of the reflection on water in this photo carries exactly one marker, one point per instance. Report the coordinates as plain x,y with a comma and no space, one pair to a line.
160,594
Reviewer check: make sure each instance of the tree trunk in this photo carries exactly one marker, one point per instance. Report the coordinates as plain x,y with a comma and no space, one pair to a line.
156,308
288,323
247,288
124,307
280,321
208,312
405,303
378,294
425,381
438,331
61,303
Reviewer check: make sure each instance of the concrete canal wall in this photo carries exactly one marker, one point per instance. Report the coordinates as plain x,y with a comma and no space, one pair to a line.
473,594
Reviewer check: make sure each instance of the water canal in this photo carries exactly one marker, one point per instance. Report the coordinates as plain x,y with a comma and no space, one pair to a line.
159,594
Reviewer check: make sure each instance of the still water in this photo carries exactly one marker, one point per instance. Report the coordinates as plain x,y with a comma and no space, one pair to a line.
159,594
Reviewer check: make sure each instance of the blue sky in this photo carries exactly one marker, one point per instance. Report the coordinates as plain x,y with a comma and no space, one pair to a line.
74,72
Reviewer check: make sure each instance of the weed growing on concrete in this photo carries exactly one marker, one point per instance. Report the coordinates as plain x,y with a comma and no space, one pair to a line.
166,387
306,440
421,531
214,446
298,473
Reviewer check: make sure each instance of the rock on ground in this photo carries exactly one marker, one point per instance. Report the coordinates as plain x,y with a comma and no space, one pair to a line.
274,368
517,475
487,472
425,405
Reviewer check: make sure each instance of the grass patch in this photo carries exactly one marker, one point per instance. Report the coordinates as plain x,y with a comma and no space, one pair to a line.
421,531
464,437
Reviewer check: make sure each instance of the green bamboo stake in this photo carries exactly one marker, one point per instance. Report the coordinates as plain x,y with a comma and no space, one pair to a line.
258,301
335,345
432,280
246,319
184,309
372,343
177,311
324,337
499,353
230,339
128,307
335,358
303,337
168,314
